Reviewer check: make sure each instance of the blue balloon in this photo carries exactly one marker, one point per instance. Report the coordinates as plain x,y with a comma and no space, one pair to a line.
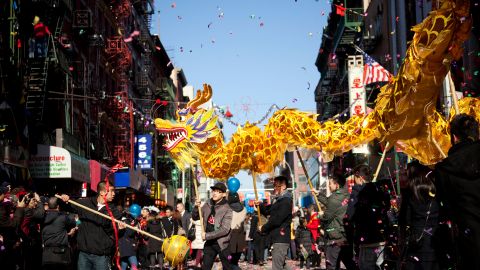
135,210
233,184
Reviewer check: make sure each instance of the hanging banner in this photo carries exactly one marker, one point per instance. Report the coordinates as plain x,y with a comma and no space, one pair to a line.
357,96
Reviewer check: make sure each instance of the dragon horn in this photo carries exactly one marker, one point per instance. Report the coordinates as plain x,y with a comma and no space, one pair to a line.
205,95
191,103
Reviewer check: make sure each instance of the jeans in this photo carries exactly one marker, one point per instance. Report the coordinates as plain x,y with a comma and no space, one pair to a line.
279,254
371,256
88,261
40,47
210,252
132,260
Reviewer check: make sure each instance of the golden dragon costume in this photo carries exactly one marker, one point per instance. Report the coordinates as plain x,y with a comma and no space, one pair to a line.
404,114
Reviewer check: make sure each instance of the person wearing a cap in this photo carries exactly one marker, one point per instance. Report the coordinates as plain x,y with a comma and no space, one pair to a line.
217,220
278,225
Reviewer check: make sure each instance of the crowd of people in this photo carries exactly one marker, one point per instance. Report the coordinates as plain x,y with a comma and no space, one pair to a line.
433,225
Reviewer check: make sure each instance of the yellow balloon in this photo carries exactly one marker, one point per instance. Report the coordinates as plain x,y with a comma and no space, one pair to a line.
175,249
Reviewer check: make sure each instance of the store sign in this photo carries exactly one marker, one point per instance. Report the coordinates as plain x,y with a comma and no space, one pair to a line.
143,147
50,162
357,96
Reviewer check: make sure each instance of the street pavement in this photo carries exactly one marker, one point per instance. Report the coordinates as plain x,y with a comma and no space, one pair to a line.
293,265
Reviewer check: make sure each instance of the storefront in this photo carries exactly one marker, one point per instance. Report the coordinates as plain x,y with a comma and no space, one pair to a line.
56,170
131,186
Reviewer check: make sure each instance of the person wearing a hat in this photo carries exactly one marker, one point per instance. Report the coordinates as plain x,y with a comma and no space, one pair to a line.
217,220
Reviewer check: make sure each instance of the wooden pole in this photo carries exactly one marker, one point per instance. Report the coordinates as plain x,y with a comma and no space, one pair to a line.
308,178
110,218
200,207
380,163
254,177
453,92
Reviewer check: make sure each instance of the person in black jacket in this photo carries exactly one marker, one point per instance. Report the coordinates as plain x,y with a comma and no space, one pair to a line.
337,247
304,239
56,225
169,223
367,212
95,239
458,188
258,240
128,245
418,219
278,224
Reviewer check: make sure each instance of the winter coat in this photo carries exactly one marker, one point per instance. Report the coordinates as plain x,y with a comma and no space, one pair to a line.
95,233
185,221
332,219
254,225
155,227
313,224
278,224
369,206
128,241
8,226
223,221
40,30
304,237
418,223
170,225
237,240
457,180
197,243
55,228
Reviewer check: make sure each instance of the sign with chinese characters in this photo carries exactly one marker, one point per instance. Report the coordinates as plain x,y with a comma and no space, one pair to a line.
357,96
143,147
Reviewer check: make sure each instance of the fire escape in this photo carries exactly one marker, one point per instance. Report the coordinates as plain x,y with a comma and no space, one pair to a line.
120,59
37,74
341,32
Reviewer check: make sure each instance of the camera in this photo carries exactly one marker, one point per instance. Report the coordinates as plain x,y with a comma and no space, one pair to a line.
28,197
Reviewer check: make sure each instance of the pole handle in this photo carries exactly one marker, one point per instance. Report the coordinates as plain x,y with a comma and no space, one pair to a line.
308,178
199,207
254,177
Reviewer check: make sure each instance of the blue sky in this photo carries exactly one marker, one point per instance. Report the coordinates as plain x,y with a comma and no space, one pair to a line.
253,53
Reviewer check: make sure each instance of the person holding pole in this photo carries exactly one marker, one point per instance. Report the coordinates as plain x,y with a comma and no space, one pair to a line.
367,213
278,225
95,238
457,180
217,220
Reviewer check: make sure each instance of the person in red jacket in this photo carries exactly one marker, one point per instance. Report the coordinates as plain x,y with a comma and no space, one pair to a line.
40,33
312,225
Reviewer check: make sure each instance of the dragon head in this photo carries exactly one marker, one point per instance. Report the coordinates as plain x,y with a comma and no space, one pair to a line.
194,126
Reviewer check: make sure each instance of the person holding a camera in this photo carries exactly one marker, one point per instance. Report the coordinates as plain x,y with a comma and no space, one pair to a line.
8,227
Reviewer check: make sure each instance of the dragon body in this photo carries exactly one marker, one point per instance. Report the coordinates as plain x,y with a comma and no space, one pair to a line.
404,114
